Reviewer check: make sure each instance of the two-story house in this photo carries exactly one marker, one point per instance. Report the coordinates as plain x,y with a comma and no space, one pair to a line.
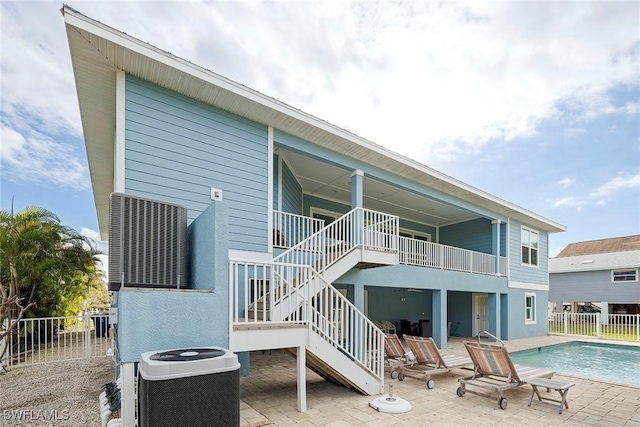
300,232
602,271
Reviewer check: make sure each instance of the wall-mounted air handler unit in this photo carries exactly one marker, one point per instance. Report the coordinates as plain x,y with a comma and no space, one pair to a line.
147,243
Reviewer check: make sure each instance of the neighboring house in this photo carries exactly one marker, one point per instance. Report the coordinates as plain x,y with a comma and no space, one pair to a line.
339,215
601,272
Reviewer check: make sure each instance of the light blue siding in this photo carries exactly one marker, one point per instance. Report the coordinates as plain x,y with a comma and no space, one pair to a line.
291,192
525,273
517,327
595,286
177,149
474,235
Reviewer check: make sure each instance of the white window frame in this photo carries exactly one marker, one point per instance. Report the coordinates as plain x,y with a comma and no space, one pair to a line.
530,230
623,270
532,318
414,233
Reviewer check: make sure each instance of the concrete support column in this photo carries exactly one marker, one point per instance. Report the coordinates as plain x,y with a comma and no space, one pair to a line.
439,308
302,379
494,315
358,296
604,312
357,189
495,243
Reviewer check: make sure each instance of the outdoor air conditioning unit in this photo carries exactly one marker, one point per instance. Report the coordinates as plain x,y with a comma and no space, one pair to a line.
147,243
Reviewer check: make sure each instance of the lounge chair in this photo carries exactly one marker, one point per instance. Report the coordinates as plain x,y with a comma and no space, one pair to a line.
494,371
387,327
428,360
396,358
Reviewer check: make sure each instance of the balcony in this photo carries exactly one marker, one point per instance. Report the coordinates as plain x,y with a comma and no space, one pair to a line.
290,229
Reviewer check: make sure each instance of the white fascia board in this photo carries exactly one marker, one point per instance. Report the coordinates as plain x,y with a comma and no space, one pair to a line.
528,286
119,152
237,254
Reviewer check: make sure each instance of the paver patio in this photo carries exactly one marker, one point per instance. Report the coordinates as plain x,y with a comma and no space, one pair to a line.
271,391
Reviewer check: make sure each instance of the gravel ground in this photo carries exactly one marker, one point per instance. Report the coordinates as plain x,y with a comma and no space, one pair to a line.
60,394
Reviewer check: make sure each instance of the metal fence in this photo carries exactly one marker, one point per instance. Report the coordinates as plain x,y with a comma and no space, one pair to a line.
54,339
624,327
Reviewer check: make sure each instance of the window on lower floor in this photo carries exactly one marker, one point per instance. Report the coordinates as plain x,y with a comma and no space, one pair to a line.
530,243
629,275
529,308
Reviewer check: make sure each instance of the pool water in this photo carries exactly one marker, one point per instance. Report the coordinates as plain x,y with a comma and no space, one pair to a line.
604,362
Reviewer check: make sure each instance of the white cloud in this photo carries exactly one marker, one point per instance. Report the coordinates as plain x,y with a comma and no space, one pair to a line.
101,245
566,182
601,202
619,183
429,80
34,157
574,132
571,202
426,79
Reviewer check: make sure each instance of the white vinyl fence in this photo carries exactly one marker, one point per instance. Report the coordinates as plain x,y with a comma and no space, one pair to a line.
54,339
624,327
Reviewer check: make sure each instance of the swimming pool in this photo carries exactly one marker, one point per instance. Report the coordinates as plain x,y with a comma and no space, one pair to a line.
604,362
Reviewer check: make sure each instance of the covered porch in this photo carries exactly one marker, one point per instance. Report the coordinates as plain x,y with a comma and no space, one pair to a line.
432,302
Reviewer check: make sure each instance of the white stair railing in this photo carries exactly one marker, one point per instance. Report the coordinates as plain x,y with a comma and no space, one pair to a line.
266,291
324,246
318,304
341,324
290,229
358,227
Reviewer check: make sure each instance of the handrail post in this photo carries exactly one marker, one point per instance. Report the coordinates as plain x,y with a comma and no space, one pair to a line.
598,334
5,349
566,323
87,336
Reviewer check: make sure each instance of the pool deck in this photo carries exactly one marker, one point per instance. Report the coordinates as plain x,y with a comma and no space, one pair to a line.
269,398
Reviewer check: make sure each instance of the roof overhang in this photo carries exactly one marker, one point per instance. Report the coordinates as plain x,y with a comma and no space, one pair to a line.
99,51
595,262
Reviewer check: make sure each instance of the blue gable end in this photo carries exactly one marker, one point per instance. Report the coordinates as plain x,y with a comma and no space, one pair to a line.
177,149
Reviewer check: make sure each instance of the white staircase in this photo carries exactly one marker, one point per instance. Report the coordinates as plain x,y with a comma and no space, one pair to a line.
290,301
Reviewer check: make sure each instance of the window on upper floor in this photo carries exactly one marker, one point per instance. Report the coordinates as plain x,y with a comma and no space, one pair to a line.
530,245
529,308
628,275
415,235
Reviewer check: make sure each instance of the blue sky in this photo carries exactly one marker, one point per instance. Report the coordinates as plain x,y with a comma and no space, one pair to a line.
535,102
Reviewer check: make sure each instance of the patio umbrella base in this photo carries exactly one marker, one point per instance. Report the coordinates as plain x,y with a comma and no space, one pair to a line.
390,404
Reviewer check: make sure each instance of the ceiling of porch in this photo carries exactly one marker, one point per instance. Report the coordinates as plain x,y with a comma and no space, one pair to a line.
328,181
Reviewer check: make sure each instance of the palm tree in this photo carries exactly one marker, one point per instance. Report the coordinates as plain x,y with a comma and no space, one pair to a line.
42,262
